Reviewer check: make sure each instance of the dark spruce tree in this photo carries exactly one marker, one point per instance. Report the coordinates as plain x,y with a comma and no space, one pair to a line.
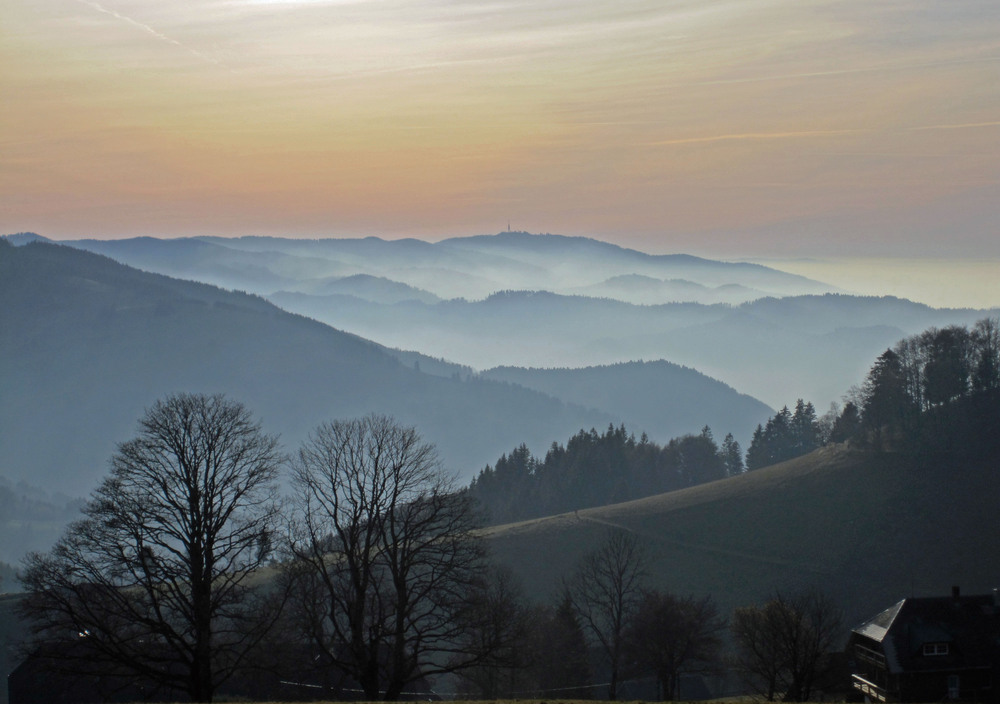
732,456
561,656
886,406
785,436
848,424
921,394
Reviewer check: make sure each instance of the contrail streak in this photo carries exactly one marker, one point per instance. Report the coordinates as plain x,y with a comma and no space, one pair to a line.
149,30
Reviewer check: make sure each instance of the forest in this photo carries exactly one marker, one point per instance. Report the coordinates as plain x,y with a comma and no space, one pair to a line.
594,469
907,401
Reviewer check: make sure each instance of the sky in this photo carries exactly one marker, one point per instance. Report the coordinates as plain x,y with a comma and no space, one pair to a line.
738,128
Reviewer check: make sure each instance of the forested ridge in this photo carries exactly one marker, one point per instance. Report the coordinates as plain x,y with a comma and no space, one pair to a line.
932,392
594,469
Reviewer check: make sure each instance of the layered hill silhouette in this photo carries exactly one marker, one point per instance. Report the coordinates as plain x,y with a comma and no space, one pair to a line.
866,528
636,390
646,290
88,343
525,300
469,267
775,349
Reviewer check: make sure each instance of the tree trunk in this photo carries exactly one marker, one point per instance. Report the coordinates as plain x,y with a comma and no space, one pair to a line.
369,679
201,598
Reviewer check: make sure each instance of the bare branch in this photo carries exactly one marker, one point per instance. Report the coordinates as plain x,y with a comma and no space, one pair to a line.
156,575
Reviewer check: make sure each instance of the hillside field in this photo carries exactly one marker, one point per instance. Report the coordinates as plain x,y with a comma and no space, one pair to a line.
868,529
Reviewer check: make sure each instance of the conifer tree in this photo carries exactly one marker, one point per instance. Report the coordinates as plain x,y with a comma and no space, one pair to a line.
756,457
886,404
732,456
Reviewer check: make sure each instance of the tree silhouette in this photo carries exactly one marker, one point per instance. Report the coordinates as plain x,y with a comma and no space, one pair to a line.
887,406
785,436
389,562
947,371
156,577
986,355
783,646
847,425
732,456
670,635
605,591
561,659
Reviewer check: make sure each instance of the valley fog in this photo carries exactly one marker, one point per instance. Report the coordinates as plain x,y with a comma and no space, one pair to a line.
942,283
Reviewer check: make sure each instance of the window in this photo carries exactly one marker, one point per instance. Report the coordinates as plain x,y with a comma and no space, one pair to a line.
935,648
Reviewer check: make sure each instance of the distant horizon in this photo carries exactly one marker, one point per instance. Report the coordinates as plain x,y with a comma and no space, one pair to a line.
658,247
721,246
940,282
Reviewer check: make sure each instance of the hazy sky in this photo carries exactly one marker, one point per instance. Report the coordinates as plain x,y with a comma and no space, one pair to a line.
743,127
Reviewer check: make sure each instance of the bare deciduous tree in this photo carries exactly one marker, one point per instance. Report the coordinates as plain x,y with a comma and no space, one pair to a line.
499,626
605,591
387,548
670,635
986,355
783,646
155,579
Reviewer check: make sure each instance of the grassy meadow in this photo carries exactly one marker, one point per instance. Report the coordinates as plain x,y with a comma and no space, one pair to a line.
868,529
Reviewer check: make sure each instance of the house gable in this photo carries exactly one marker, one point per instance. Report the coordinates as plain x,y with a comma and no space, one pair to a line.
929,649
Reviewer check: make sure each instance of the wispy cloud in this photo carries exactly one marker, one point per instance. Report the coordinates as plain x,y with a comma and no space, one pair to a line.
959,126
916,66
832,111
755,136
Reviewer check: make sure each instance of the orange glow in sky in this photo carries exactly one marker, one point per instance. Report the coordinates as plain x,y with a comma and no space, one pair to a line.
758,127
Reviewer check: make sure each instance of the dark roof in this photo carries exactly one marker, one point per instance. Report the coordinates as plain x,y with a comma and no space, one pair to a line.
970,625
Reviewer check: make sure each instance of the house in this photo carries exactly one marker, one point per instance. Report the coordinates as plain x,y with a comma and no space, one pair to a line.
929,649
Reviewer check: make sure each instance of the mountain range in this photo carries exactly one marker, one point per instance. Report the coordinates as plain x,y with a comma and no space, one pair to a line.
517,299
775,349
462,267
88,343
